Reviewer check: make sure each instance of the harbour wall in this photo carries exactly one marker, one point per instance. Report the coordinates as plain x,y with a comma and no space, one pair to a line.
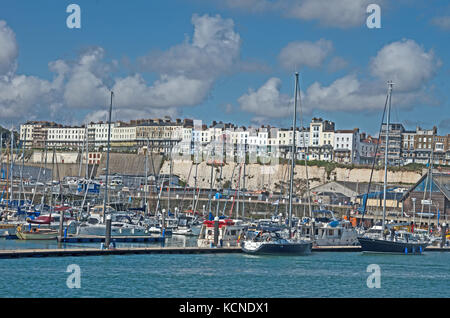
68,164
272,178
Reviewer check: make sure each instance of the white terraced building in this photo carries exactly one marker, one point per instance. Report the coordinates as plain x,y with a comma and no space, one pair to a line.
319,139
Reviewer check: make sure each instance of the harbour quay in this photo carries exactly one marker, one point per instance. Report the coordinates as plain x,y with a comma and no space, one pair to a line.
61,252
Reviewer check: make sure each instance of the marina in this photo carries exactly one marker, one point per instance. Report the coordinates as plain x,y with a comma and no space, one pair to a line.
225,149
129,246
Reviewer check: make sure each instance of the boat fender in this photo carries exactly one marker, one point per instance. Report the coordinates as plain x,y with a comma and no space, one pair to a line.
334,223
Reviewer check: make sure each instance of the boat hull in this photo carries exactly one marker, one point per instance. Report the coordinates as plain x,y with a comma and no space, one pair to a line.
278,249
373,245
101,231
36,236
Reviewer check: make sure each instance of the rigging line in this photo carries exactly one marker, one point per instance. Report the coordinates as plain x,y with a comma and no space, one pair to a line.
37,180
236,192
306,153
374,159
154,174
185,187
229,191
86,191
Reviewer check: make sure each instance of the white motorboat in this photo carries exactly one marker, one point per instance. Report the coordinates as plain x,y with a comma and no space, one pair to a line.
94,226
334,233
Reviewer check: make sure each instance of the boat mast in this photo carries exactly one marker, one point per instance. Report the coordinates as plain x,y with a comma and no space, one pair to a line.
170,179
390,84
81,153
211,180
21,172
306,157
195,188
12,163
430,173
1,155
1,152
146,180
105,198
45,178
87,152
243,180
293,155
51,181
37,180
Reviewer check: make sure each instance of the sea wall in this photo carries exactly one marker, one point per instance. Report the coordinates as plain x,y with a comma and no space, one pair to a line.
68,164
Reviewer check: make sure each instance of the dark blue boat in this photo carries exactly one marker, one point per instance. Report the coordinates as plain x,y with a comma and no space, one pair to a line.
272,243
380,245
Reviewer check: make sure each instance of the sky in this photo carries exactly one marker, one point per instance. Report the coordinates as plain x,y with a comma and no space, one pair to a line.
226,60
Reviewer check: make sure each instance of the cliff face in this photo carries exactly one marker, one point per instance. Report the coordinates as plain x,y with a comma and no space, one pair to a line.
268,177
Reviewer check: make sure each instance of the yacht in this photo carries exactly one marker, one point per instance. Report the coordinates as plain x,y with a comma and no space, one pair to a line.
185,226
121,224
397,242
94,226
273,243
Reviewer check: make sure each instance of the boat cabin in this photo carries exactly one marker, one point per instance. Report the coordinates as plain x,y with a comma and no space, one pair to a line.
228,236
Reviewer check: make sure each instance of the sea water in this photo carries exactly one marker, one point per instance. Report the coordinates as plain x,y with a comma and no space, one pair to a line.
321,274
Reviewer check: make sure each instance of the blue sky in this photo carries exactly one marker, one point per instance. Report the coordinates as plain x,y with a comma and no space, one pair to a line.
226,60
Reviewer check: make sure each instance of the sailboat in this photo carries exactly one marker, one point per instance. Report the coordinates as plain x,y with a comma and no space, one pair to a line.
381,242
273,242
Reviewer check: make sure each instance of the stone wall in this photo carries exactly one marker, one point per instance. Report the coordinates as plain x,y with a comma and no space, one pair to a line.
67,164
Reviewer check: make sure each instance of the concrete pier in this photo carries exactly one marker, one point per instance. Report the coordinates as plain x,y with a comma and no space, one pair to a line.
163,250
116,251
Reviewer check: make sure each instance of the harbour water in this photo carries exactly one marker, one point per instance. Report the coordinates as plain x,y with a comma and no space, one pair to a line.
321,274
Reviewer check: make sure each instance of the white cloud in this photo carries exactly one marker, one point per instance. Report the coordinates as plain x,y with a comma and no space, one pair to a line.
336,64
442,22
333,13
329,13
168,91
187,73
20,94
251,5
23,95
267,101
349,94
406,63
84,88
214,50
8,49
298,54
